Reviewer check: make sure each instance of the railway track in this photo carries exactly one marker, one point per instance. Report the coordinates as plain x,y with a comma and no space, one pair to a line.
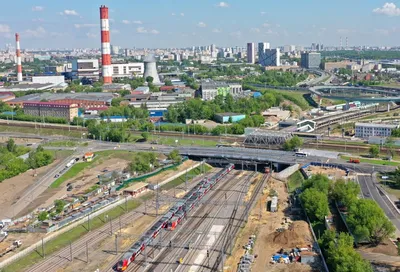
234,228
232,217
192,224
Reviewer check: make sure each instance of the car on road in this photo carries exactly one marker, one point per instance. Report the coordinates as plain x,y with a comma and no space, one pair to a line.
56,176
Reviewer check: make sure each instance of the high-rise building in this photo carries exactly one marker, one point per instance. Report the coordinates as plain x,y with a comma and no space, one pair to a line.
272,57
213,48
310,60
251,53
262,46
88,68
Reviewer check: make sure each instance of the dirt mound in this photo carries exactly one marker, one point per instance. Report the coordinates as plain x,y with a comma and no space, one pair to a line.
297,235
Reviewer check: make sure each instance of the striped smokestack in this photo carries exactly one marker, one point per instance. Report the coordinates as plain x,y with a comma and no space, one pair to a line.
105,45
19,64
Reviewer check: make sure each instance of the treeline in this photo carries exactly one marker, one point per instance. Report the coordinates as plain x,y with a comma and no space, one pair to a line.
366,220
276,78
197,109
365,54
12,165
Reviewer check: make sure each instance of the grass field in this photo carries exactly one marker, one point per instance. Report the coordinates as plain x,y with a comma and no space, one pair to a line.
71,236
61,144
191,175
185,141
41,131
373,161
295,181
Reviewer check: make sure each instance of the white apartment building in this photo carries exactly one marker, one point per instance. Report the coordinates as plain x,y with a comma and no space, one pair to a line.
365,130
134,69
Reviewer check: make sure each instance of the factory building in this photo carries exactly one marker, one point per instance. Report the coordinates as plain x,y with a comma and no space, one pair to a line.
366,130
229,116
88,68
310,60
209,89
134,69
49,109
48,79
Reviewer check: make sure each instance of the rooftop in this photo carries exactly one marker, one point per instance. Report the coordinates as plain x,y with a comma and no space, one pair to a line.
229,114
107,97
375,125
136,186
48,103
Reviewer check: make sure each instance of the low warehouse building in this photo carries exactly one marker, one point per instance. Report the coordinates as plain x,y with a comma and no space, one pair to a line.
229,116
135,189
274,204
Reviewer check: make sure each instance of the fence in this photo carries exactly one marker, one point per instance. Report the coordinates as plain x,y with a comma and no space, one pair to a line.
31,248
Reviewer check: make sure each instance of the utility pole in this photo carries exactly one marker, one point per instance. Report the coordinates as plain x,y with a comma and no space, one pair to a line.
116,244
111,230
87,253
88,221
70,250
43,249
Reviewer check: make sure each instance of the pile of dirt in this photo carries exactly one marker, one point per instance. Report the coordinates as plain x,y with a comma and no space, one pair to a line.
297,235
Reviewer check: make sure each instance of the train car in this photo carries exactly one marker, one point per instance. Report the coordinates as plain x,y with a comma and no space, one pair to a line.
176,220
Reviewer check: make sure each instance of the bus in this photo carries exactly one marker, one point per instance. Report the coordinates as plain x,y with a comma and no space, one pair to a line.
301,154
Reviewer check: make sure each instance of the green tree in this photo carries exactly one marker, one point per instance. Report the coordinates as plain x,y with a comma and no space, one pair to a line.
116,101
315,204
374,151
319,182
145,135
59,204
368,221
43,216
293,143
11,146
175,156
149,79
341,256
345,192
168,82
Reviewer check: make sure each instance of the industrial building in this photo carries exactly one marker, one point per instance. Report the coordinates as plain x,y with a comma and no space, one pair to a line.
48,79
209,89
88,68
83,100
49,109
310,60
366,130
134,69
229,116
251,57
150,69
271,57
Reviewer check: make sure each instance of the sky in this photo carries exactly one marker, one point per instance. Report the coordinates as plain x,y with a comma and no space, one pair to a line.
186,23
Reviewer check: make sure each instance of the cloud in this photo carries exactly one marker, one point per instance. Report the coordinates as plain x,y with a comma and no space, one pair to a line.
36,33
266,25
389,9
91,35
126,22
85,25
143,30
236,34
69,12
137,22
182,14
255,30
344,31
263,13
37,8
173,14
115,31
216,30
38,20
5,28
270,32
201,24
382,31
223,5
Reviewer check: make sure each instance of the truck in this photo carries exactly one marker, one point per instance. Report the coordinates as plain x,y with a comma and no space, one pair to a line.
3,235
8,248
354,160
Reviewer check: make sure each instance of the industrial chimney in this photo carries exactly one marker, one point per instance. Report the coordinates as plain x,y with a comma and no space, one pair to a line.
105,45
19,64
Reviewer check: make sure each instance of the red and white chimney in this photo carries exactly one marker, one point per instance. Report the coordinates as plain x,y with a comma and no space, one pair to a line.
19,62
105,45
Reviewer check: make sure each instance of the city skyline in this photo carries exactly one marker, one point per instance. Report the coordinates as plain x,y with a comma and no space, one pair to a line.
163,24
